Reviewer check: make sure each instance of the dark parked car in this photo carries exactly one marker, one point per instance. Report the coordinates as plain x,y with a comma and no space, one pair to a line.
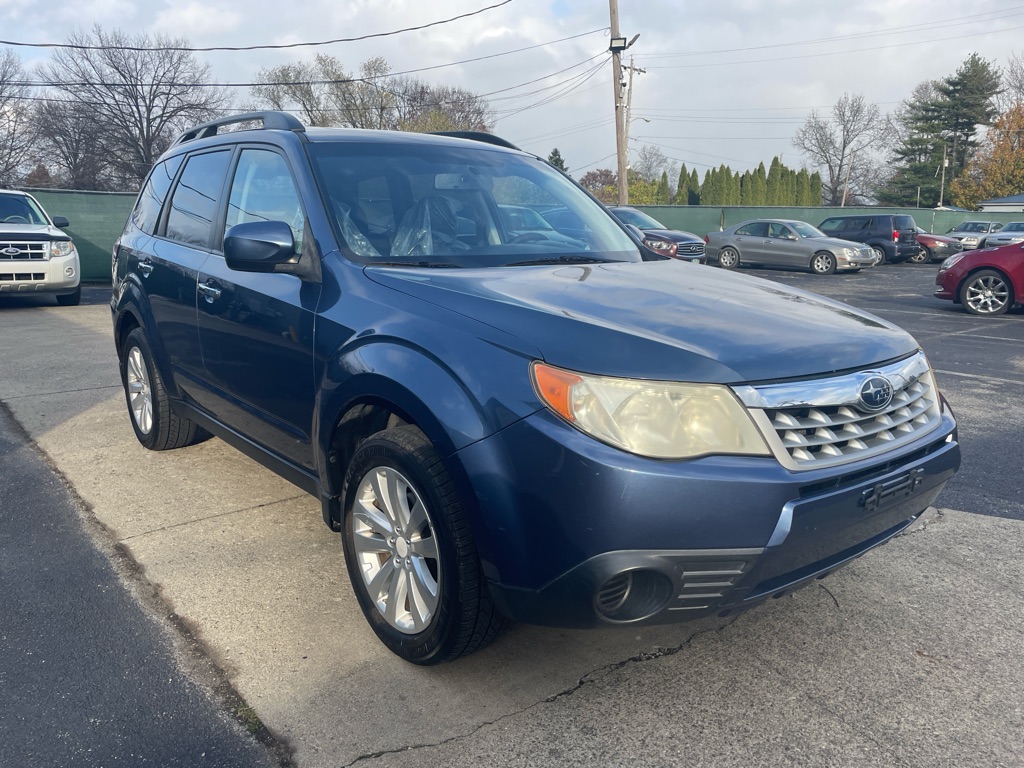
508,428
972,234
786,243
983,282
892,237
934,247
670,242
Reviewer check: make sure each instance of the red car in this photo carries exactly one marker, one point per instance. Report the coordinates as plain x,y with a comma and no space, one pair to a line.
985,282
934,247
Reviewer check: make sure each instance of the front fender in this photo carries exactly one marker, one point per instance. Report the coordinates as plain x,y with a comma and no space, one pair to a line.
131,308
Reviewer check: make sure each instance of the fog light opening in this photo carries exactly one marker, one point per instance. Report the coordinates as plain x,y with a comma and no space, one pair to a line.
69,271
633,595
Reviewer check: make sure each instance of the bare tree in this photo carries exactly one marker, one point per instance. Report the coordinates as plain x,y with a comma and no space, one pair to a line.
650,163
69,143
141,91
323,93
16,134
845,147
1013,83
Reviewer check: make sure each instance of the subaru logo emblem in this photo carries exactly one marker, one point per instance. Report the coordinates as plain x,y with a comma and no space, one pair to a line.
875,394
11,251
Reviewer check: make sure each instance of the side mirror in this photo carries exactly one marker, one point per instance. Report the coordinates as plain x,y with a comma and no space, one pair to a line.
260,246
61,222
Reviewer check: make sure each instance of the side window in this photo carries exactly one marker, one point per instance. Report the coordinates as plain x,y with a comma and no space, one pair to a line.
194,200
754,229
778,230
146,213
831,225
263,190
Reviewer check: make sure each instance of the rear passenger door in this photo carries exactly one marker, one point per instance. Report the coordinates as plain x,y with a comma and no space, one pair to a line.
256,330
749,241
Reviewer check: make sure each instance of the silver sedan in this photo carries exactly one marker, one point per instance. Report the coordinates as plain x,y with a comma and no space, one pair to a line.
785,243
1011,233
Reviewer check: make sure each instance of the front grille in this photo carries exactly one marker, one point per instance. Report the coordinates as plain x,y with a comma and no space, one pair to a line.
22,276
824,422
690,249
15,251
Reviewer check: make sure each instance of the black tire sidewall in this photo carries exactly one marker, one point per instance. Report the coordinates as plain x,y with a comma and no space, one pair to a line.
432,644
978,275
137,339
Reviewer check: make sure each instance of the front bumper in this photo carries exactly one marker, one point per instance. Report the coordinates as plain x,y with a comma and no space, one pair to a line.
41,276
571,526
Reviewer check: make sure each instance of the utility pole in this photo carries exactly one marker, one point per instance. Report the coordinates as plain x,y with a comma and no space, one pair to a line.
629,102
617,46
942,186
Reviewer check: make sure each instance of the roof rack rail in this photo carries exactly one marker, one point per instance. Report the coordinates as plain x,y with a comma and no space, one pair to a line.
487,138
280,120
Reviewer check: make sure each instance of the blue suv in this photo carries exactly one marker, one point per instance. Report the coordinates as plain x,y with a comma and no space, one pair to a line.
508,423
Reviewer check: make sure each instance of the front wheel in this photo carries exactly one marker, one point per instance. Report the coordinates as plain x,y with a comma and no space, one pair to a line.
70,299
410,553
728,258
922,256
986,293
156,426
823,263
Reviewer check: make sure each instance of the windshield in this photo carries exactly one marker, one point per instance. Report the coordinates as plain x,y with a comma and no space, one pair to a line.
806,230
638,219
446,206
19,209
1016,226
971,226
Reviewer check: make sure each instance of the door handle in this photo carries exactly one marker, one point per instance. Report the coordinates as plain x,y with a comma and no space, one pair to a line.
210,292
146,267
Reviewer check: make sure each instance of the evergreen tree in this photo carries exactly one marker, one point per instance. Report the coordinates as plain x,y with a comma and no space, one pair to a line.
555,158
773,184
745,182
817,187
803,188
693,188
662,193
682,196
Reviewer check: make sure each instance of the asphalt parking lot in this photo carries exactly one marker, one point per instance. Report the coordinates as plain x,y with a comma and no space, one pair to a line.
911,656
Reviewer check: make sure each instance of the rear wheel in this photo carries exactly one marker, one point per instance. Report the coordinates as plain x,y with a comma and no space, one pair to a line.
823,263
922,256
410,553
156,425
728,258
986,293
879,255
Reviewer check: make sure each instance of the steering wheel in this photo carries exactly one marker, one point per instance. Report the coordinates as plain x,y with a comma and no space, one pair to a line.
15,220
529,237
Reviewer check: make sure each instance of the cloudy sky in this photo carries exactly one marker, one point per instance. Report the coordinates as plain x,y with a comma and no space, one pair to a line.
726,81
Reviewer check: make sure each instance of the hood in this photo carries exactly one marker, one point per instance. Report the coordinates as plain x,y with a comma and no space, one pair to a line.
835,242
667,320
674,235
926,236
33,232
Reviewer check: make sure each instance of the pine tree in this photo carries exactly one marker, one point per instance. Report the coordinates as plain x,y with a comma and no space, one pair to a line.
662,194
555,158
682,196
693,188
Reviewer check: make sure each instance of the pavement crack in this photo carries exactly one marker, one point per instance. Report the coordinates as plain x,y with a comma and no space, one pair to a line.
585,680
211,517
925,523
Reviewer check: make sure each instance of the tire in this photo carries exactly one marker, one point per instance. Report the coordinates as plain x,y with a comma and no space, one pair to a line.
70,299
728,258
879,255
422,591
986,292
923,256
156,425
823,263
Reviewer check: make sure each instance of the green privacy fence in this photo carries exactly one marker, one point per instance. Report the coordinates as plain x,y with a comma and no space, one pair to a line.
97,218
701,219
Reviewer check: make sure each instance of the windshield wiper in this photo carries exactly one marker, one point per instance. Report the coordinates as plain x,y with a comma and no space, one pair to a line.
557,260
421,264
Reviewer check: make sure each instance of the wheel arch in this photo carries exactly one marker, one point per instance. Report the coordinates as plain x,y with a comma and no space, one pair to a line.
1014,298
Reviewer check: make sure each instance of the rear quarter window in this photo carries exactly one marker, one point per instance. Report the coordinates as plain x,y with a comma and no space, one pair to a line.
146,213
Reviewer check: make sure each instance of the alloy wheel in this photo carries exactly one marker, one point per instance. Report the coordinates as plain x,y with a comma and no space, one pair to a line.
987,294
140,393
394,541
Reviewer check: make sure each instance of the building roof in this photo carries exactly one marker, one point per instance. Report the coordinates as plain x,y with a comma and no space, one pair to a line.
1008,200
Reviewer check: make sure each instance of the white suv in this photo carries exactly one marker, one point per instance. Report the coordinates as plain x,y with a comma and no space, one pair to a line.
35,256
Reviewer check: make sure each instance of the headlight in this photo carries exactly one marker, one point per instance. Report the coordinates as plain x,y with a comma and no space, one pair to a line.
951,261
660,419
661,246
61,248
850,252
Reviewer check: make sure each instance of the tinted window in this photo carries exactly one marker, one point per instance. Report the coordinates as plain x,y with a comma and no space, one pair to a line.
860,222
147,209
194,201
779,230
263,190
832,225
754,228
905,222
638,219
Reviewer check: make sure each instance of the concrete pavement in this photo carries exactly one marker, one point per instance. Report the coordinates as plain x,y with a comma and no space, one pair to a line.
911,656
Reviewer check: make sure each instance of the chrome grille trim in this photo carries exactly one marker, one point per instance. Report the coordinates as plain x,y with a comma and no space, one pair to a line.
31,251
690,249
817,423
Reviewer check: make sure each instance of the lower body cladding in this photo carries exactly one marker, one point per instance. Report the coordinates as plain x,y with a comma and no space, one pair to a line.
574,533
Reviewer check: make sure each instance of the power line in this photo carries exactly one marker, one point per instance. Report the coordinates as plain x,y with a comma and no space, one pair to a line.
82,47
